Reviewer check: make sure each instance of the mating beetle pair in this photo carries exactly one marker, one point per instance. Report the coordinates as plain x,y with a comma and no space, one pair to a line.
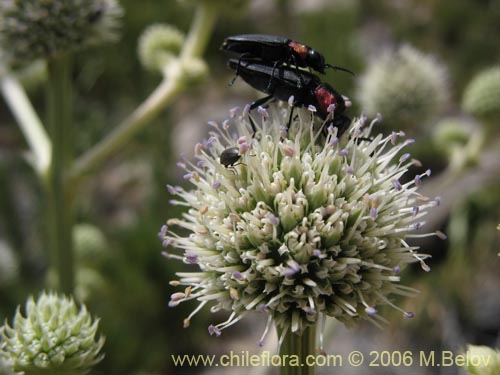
262,65
277,50
271,64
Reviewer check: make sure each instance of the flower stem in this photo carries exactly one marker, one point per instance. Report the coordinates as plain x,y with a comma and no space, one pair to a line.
60,212
28,122
169,88
300,346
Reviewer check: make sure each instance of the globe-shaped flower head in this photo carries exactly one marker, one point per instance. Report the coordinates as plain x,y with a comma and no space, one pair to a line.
407,86
31,29
300,227
481,96
53,338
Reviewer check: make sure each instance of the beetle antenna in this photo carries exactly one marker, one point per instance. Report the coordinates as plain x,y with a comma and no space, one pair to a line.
339,68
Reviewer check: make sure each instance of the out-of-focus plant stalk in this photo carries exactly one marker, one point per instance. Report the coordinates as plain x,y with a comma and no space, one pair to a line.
60,202
29,123
173,83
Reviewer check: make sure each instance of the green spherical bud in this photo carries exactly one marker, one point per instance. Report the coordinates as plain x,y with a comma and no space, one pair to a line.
483,360
90,244
407,87
54,337
158,45
460,139
482,95
32,29
450,133
195,70
88,283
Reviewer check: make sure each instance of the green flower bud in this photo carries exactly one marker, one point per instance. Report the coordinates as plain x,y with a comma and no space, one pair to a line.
88,283
482,360
54,337
460,140
32,29
158,45
195,70
90,244
482,95
406,86
450,133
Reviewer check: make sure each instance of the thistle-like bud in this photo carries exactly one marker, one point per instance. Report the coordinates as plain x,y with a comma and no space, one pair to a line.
450,133
482,360
460,139
406,86
158,45
482,95
32,29
54,337
195,70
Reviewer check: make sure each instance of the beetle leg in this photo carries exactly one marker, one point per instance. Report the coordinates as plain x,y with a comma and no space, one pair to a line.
300,84
269,85
339,68
254,105
290,117
237,72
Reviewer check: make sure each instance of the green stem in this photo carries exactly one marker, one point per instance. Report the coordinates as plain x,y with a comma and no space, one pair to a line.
300,346
60,212
28,122
169,88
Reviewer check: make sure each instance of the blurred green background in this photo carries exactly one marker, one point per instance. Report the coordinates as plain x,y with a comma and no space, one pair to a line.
122,276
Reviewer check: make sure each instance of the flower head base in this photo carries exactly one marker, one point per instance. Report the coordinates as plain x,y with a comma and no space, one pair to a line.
302,227
32,29
55,337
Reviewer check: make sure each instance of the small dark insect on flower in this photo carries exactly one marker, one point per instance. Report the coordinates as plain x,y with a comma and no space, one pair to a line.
95,15
230,157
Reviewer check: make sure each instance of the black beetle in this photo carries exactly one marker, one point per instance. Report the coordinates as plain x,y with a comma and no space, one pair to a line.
279,50
230,156
285,82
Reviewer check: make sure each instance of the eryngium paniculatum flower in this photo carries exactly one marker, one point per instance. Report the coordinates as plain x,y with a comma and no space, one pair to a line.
53,337
406,86
301,227
159,44
482,95
31,29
